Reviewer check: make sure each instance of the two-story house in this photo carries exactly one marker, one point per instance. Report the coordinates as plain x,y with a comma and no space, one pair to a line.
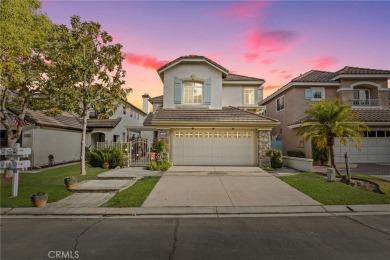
209,116
115,128
366,90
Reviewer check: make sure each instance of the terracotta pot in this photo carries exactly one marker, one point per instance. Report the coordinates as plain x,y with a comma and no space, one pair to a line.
39,200
70,182
105,165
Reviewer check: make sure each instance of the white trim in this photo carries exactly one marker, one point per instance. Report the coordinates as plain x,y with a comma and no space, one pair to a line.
322,89
243,82
366,83
361,76
197,60
342,89
276,103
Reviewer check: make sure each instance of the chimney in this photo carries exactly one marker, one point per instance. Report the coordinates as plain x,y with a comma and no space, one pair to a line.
146,104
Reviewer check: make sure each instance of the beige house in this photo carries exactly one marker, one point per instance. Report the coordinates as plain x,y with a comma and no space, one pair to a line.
209,116
366,90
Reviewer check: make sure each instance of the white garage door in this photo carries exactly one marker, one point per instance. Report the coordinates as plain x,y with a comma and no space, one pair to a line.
214,147
375,148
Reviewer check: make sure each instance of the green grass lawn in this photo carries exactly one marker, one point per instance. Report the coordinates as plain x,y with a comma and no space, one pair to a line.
50,181
135,195
336,193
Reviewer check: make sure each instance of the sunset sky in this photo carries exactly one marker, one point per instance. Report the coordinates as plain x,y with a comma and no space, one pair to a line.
273,40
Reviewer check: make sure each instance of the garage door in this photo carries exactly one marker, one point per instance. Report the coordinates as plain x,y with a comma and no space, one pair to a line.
375,148
192,147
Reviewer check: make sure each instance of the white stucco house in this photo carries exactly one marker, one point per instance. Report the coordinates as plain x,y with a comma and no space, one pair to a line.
209,116
60,136
115,128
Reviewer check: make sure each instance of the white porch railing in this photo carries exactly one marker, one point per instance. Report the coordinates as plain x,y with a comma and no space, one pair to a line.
366,102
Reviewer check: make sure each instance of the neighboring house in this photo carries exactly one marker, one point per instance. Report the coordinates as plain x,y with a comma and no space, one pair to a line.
366,90
114,129
209,116
58,136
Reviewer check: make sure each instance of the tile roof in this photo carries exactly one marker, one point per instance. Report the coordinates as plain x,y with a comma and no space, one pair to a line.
226,114
355,70
63,121
367,115
148,120
373,115
235,77
158,99
315,76
192,57
103,123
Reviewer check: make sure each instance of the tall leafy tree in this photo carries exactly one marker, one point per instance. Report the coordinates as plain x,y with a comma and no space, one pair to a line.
330,119
86,70
24,34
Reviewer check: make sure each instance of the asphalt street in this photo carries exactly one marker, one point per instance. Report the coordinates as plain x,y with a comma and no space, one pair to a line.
299,237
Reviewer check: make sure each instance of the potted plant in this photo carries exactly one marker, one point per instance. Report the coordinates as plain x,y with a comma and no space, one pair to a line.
39,199
104,155
70,182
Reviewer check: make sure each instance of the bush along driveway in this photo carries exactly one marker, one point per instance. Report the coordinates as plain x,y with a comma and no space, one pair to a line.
337,193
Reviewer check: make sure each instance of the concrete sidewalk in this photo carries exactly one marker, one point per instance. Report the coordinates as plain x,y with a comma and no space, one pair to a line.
209,211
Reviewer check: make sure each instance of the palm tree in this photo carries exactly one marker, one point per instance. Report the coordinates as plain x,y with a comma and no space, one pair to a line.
330,119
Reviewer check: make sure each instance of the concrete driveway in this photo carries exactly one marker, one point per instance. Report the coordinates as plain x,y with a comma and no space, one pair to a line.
192,186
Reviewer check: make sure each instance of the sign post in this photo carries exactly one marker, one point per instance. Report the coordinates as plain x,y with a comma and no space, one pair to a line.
13,163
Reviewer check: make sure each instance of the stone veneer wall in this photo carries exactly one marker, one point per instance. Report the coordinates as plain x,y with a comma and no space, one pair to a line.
264,144
166,136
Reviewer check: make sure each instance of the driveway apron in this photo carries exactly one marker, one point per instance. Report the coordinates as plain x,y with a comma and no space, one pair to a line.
223,186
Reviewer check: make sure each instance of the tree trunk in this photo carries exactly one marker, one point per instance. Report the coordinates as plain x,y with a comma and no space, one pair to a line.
83,134
332,161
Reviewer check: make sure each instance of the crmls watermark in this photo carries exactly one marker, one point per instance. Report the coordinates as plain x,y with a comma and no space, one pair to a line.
63,254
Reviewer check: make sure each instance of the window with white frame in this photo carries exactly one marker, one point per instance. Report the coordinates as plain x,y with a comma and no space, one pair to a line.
361,94
249,96
192,93
318,93
280,103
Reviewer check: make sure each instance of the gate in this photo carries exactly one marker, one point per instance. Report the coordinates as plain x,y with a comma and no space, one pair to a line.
135,153
139,152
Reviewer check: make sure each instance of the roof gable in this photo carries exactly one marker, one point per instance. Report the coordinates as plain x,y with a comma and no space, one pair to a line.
191,58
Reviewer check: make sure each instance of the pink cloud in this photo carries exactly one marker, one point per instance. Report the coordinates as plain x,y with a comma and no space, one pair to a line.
288,76
271,41
322,63
242,10
250,56
144,61
267,61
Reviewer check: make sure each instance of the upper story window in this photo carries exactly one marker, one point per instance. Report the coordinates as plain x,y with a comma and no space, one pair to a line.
249,96
280,103
315,94
361,94
192,93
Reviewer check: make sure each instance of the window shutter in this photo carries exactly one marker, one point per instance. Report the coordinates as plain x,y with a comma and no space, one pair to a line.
308,93
177,91
207,92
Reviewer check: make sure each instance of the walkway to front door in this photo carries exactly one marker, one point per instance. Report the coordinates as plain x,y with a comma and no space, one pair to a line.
223,186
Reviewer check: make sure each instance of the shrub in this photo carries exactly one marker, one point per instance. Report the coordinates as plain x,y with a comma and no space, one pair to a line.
269,169
159,165
296,153
276,158
113,156
160,147
116,158
321,154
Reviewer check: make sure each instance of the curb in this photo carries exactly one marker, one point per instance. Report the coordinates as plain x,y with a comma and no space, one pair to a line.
178,211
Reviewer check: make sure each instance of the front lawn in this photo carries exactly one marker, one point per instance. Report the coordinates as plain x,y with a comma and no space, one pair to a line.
50,181
135,195
336,193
